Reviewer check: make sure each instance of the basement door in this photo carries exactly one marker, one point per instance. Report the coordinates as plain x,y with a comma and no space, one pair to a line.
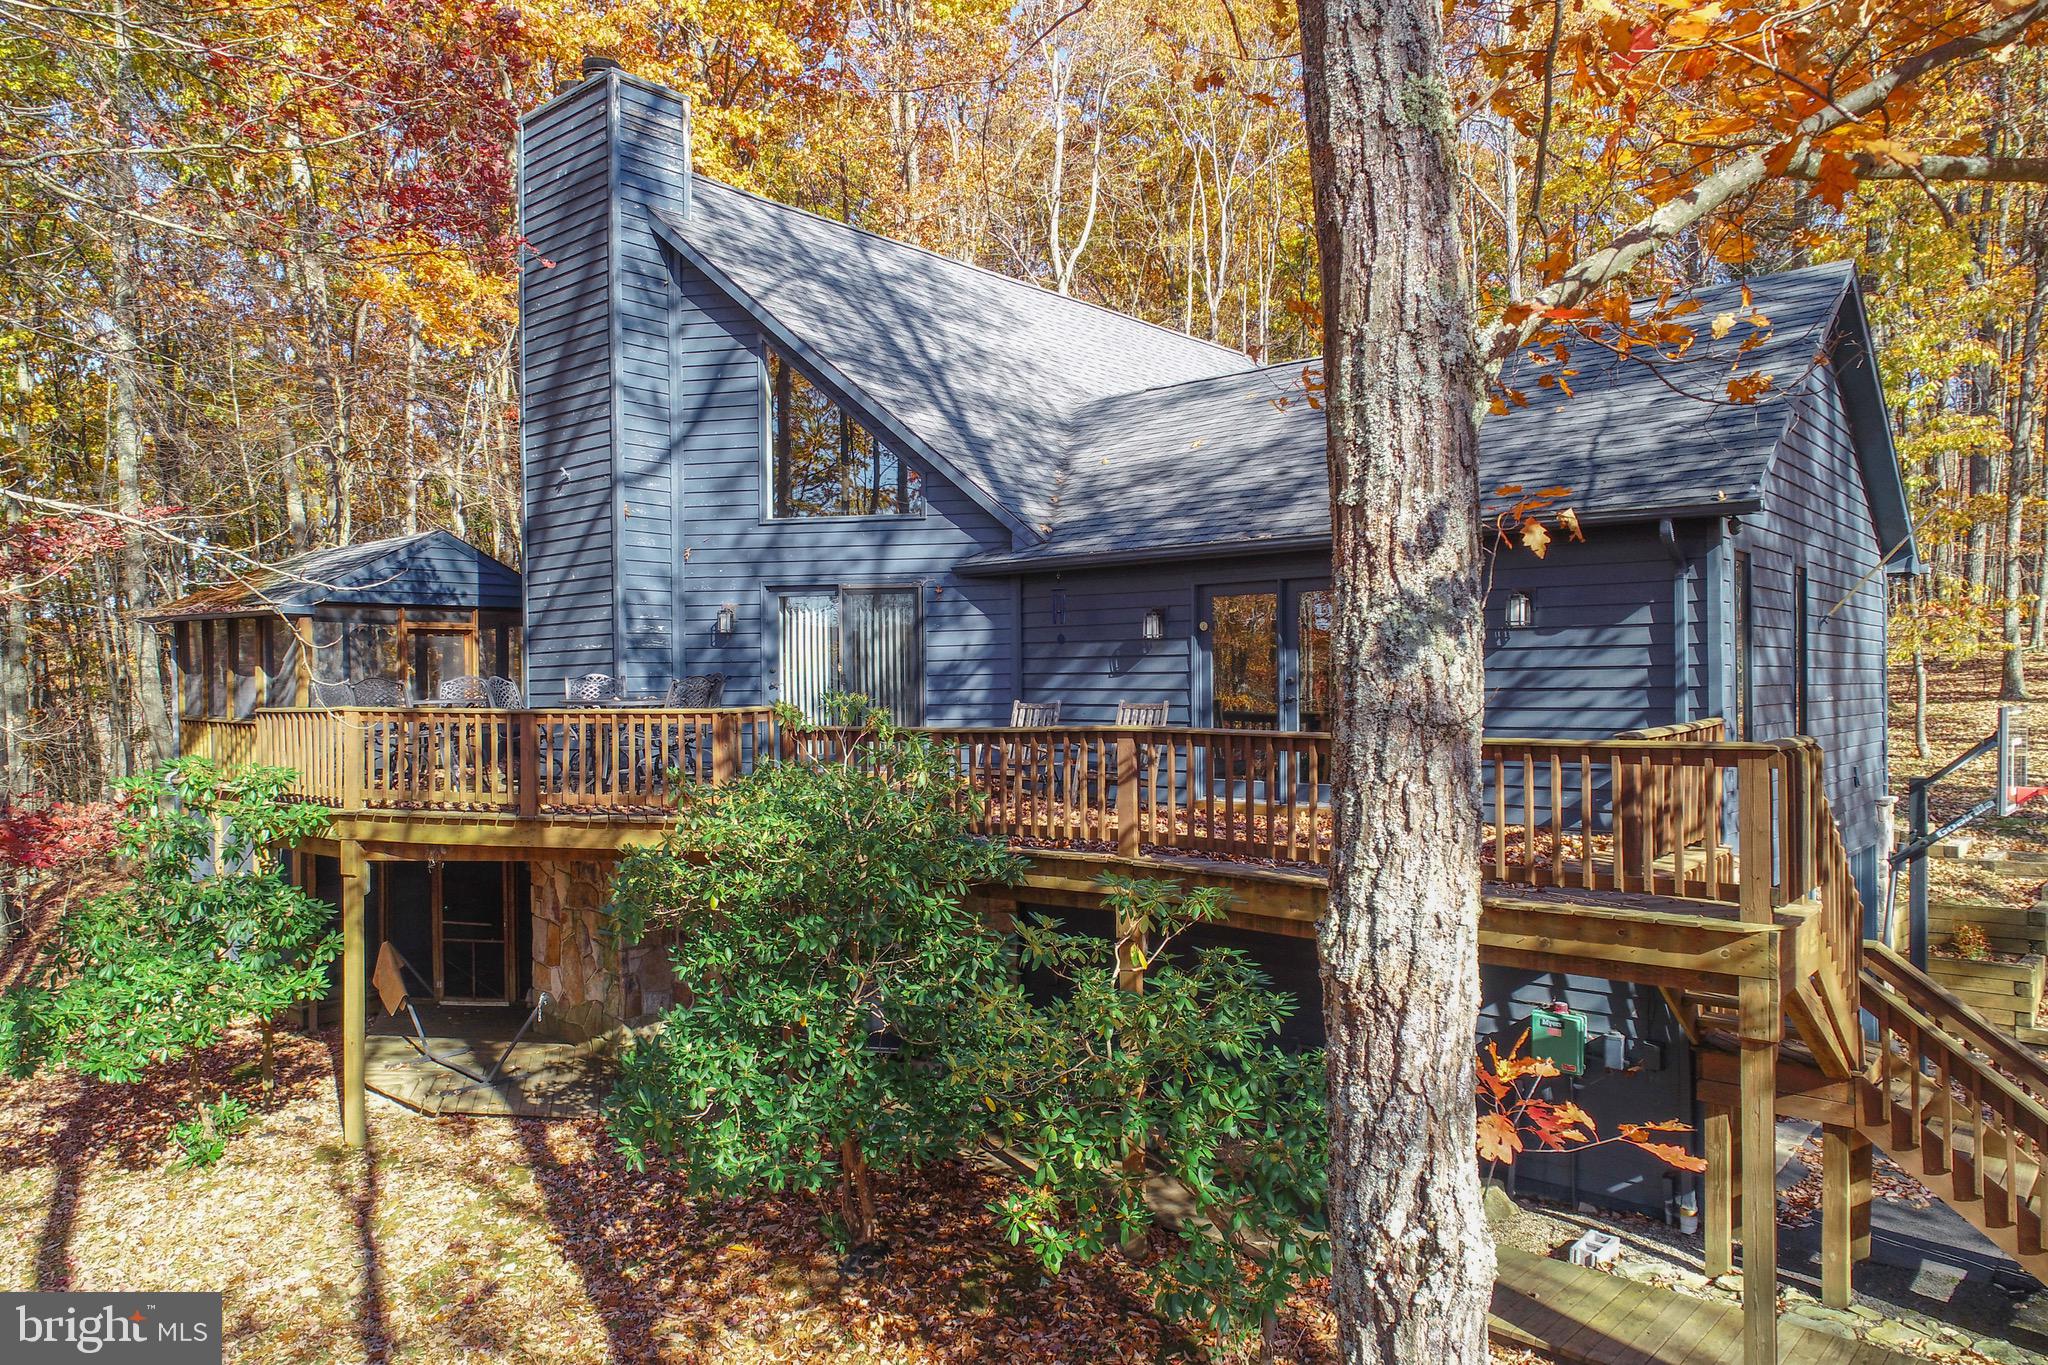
452,924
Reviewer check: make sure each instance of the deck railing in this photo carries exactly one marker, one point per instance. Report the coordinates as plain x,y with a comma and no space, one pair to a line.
1675,813
603,760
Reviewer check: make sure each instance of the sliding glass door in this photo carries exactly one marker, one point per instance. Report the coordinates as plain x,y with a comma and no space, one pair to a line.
868,641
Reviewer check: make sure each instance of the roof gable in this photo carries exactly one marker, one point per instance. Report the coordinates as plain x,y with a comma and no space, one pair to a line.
985,374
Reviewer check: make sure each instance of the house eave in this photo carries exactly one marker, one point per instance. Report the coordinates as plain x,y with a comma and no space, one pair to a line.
999,565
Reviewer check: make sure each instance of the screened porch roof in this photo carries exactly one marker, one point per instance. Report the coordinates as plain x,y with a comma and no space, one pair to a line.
431,569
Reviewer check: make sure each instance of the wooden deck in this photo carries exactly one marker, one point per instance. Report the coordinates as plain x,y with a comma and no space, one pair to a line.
1589,1317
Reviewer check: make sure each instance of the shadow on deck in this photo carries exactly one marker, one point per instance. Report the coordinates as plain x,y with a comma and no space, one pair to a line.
540,1079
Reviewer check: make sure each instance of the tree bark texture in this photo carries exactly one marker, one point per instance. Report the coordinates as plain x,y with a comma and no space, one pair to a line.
1414,1261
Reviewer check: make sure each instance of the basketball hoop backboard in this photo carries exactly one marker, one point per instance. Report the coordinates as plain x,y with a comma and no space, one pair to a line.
2015,787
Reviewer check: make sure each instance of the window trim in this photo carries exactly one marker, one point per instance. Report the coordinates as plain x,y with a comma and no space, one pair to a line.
765,389
1745,642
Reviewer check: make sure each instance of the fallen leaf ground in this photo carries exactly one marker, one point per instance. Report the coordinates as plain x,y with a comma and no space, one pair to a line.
1962,708
491,1240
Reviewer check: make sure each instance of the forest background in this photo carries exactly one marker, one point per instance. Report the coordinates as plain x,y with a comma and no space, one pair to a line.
259,292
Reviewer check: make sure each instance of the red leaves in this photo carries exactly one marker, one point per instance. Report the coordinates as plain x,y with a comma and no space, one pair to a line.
1511,1114
55,835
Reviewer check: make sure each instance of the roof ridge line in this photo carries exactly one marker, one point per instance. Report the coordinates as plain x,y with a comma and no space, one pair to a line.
1010,280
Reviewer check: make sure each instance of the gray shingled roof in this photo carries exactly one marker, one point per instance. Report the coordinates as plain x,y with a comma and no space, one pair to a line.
1239,460
431,569
988,372
1112,438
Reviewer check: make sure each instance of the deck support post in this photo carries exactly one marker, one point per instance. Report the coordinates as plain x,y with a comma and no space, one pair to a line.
1845,1210
1761,1025
1723,1203
725,748
354,993
1128,842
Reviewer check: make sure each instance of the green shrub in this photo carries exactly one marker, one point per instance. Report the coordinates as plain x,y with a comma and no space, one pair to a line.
819,910
203,1139
1104,1088
201,932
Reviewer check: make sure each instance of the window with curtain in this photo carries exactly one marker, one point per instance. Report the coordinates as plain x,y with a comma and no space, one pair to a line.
825,464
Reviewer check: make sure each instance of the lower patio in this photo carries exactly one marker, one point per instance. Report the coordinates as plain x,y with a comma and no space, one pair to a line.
477,1061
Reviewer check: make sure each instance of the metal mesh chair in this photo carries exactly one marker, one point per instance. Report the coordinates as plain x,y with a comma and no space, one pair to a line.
378,692
504,694
697,690
334,694
593,689
468,690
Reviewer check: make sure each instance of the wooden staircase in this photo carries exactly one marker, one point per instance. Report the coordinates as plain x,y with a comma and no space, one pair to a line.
1967,1098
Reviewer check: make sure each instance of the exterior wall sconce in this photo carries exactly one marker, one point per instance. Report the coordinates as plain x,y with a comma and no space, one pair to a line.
1521,611
727,624
1155,623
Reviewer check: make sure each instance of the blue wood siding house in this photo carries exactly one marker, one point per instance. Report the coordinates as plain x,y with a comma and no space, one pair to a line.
764,444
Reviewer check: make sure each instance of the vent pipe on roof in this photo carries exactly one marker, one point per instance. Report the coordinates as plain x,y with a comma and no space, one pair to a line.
594,64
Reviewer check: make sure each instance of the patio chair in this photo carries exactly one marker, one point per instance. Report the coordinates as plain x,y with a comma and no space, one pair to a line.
593,689
334,694
694,693
697,690
377,692
1039,774
1034,715
468,690
1146,715
389,981
503,694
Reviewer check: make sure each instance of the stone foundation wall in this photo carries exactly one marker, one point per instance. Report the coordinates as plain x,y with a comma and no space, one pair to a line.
593,983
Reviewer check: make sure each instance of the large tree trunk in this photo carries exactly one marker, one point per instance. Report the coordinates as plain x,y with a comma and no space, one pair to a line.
2019,474
1414,1262
124,365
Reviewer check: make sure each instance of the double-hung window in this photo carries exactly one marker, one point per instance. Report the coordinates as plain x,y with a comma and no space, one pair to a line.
823,463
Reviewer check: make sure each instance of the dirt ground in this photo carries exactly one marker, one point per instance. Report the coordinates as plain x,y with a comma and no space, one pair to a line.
491,1240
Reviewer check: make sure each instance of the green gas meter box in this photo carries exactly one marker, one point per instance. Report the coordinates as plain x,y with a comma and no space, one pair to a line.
1558,1036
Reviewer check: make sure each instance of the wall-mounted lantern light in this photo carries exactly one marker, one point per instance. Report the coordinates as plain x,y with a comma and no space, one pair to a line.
1521,611
1155,623
727,624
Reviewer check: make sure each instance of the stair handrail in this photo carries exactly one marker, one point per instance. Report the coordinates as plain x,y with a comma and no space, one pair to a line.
1925,996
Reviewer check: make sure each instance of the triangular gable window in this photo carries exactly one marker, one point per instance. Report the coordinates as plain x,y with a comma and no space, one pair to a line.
825,464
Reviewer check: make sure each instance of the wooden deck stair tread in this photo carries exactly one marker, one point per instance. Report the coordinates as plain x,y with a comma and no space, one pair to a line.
1590,1317
1997,1191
